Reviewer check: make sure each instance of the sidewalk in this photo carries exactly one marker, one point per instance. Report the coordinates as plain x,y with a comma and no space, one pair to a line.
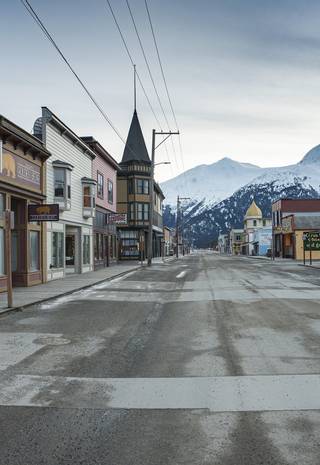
25,296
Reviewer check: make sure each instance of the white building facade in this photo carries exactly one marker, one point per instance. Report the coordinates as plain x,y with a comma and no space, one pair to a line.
69,240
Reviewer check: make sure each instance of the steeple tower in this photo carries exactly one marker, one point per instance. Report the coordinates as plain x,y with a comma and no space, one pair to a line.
135,148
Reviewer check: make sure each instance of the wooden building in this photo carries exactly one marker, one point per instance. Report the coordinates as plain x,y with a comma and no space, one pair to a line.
70,185
133,198
22,182
104,171
287,242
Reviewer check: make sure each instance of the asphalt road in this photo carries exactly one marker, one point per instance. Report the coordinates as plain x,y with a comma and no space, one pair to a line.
206,360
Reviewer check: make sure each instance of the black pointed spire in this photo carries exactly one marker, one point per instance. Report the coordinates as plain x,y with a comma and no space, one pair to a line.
135,149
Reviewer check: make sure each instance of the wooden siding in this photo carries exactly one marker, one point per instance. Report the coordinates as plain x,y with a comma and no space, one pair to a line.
108,172
63,149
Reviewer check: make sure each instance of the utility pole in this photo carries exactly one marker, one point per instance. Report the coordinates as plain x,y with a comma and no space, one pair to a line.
177,222
151,205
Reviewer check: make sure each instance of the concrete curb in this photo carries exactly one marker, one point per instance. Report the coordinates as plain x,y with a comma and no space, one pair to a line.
20,308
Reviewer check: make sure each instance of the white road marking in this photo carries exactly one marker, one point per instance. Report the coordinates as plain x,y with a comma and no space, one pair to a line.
218,394
182,274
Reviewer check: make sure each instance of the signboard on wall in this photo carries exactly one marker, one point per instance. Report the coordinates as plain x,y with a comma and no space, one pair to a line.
43,212
311,240
117,218
20,170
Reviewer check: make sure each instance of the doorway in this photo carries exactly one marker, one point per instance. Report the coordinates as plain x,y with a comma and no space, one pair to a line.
72,250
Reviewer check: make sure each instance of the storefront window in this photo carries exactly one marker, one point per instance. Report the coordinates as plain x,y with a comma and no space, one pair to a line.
14,250
34,237
2,204
57,250
86,249
2,251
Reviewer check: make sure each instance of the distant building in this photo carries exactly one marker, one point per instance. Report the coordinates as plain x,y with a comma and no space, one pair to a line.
262,241
253,221
133,198
235,241
168,241
223,243
285,223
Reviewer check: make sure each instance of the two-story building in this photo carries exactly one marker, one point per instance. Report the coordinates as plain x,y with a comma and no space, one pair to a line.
253,221
22,183
291,219
71,186
133,197
104,171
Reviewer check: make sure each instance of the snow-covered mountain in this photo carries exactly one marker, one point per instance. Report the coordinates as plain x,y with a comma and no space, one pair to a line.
206,219
211,183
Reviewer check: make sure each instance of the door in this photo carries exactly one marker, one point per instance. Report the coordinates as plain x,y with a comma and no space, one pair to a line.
72,250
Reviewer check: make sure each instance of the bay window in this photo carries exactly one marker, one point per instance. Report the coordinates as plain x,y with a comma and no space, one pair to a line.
142,211
88,196
62,184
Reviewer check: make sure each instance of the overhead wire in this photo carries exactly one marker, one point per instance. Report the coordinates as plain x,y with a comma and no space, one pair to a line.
165,81
40,23
137,74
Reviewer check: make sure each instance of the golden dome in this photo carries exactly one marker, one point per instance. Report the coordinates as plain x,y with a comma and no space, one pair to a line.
254,211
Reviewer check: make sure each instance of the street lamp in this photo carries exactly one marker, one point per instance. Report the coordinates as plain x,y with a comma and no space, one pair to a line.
177,224
154,147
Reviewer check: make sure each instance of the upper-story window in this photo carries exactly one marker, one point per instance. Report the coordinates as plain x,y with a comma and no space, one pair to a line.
62,184
142,211
238,237
254,222
143,186
100,185
88,196
110,191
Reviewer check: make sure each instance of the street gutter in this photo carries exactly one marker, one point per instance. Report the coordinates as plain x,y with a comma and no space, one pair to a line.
20,308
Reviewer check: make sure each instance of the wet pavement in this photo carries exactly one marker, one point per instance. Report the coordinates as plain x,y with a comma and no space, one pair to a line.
206,360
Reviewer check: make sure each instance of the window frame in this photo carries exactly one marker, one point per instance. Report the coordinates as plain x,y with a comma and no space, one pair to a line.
110,197
100,185
60,249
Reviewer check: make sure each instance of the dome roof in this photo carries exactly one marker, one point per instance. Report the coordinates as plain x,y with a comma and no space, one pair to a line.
253,211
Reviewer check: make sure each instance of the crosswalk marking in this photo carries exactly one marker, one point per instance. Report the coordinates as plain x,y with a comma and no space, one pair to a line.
218,394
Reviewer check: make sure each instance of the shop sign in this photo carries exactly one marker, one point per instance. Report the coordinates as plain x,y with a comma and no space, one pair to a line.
43,212
287,224
17,169
311,240
117,218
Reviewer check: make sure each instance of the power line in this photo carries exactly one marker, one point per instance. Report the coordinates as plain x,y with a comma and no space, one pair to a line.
137,74
37,19
151,76
164,78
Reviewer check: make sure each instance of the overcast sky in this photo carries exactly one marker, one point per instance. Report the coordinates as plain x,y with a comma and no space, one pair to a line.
243,75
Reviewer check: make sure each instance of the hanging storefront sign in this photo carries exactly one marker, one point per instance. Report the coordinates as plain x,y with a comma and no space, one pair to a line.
311,240
117,218
43,212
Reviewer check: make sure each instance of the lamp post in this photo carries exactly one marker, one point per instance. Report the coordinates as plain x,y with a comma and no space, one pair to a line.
177,223
154,148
